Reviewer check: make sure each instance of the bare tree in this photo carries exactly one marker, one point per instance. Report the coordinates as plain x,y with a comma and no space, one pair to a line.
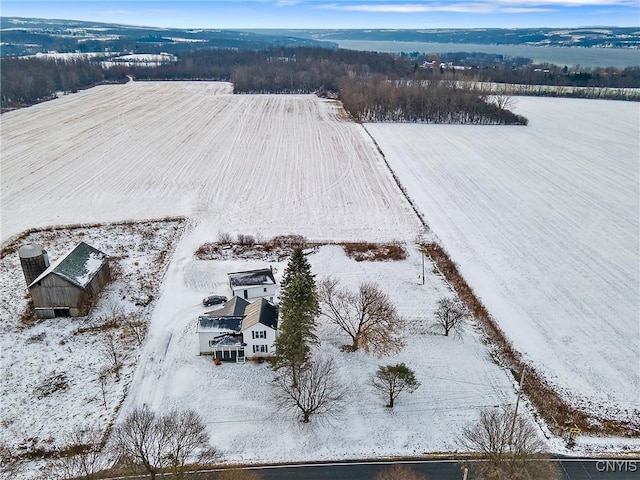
159,442
367,316
135,328
399,472
111,348
451,314
392,380
82,456
187,438
141,442
103,378
510,447
503,101
316,390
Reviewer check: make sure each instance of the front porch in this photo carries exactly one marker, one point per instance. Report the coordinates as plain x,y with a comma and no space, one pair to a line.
229,353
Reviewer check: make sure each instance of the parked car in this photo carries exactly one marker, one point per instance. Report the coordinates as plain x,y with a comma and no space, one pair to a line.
213,300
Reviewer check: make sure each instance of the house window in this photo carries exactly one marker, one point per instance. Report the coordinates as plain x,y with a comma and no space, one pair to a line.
259,334
265,289
246,294
260,349
212,343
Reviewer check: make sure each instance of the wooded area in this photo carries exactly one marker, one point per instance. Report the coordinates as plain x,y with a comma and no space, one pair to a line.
372,86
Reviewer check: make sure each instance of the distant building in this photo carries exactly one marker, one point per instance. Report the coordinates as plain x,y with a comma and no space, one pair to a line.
253,284
70,286
239,330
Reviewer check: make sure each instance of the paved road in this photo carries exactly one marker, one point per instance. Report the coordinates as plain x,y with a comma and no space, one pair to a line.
572,469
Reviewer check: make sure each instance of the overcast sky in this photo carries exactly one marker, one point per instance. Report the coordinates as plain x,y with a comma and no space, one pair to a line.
336,13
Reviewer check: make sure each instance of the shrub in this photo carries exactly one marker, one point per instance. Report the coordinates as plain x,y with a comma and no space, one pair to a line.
224,238
361,251
50,385
207,251
246,240
289,241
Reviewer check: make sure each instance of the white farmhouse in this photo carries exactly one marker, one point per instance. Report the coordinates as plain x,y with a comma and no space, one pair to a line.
239,330
253,284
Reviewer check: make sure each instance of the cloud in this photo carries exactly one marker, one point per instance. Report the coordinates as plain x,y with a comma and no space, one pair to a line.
477,6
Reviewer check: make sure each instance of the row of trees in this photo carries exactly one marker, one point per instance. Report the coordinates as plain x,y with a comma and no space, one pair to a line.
24,81
376,99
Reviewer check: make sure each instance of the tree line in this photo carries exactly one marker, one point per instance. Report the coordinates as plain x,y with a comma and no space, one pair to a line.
25,81
376,99
372,86
337,72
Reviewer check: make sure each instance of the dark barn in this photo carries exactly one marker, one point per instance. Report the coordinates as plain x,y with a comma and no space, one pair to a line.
70,287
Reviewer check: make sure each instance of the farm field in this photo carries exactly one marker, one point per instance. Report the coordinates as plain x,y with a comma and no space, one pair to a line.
259,164
543,221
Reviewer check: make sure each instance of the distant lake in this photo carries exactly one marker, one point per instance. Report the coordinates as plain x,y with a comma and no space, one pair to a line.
586,57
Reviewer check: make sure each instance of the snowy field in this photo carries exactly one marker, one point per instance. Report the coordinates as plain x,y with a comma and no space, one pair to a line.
543,221
268,164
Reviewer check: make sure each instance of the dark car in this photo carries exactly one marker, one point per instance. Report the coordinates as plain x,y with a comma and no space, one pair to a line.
214,300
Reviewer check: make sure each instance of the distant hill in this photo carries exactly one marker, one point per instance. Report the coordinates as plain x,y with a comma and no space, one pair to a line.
28,36
605,37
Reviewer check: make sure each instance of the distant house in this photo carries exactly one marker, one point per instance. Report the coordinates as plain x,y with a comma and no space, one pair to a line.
240,330
70,286
253,284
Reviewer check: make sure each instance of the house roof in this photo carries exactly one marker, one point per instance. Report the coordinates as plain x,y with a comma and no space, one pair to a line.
78,266
251,277
260,311
234,307
227,340
219,324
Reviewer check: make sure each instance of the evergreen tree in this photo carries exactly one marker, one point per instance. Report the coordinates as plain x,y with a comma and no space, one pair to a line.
298,310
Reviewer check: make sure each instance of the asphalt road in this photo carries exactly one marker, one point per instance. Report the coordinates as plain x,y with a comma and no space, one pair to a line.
572,469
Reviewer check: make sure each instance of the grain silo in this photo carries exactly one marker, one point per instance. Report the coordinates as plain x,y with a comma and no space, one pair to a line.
34,261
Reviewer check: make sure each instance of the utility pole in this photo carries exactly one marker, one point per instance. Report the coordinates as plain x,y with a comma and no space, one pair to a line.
515,412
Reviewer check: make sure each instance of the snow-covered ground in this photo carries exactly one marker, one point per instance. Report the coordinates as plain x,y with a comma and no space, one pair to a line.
268,164
457,373
34,354
543,221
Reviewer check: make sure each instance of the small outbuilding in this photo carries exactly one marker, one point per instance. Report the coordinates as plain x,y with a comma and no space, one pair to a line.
253,284
70,286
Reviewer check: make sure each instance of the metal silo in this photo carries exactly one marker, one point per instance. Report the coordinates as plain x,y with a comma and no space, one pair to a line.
34,261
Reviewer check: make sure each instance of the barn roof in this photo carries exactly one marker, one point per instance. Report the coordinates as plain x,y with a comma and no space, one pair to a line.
260,311
263,276
78,266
